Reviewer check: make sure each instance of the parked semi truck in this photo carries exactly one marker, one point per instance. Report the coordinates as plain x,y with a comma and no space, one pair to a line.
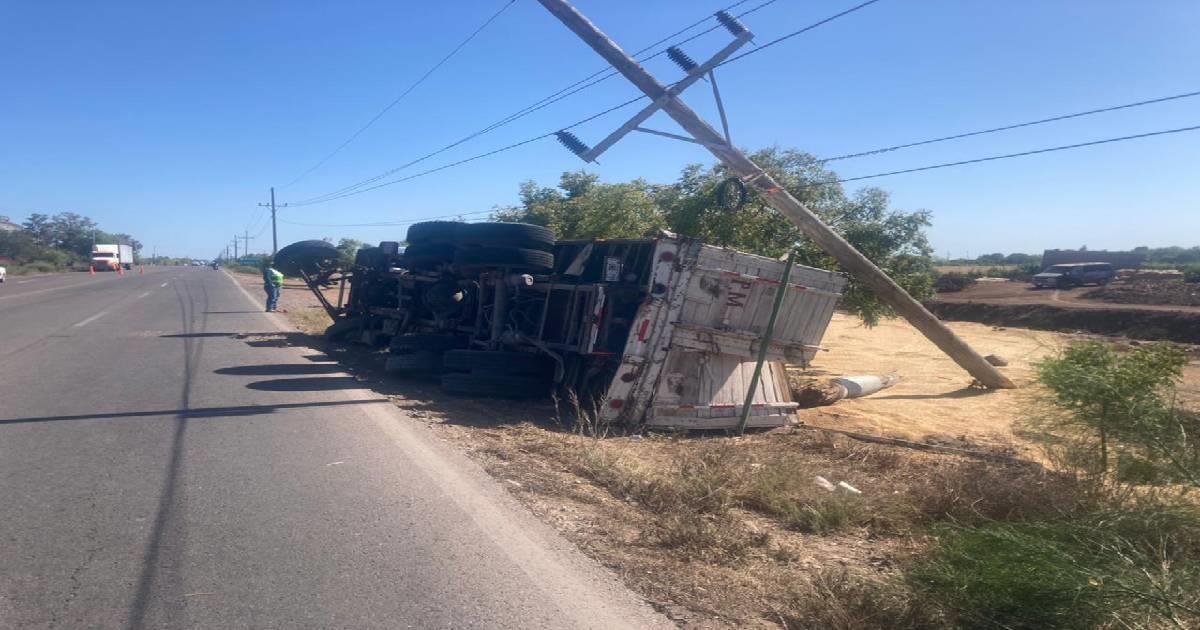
112,257
663,331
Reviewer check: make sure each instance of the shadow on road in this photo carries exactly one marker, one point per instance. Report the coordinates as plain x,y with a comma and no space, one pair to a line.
200,412
421,398
280,369
309,384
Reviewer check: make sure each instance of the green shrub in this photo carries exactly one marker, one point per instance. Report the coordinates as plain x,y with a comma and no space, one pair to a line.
1120,405
953,281
38,266
1191,273
1130,570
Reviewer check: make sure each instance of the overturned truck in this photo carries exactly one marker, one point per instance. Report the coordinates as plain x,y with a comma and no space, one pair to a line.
663,331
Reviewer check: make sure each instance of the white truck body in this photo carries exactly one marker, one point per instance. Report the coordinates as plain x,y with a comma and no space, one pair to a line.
694,343
112,257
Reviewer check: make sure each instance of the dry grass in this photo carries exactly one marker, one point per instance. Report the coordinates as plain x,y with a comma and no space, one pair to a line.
837,599
723,532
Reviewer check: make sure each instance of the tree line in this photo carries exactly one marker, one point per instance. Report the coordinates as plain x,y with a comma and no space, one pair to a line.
56,242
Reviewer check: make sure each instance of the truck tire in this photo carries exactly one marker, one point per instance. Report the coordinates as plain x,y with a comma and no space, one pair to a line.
370,257
424,362
495,385
342,327
426,255
308,256
433,232
499,362
420,342
515,257
523,235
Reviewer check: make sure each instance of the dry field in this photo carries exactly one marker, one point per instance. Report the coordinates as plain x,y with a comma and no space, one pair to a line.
721,532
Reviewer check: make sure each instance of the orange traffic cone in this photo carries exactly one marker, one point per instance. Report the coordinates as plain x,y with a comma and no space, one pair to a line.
92,270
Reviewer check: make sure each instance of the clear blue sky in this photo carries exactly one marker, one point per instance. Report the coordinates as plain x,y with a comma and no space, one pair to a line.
170,120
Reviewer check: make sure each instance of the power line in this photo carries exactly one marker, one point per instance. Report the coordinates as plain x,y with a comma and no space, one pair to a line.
574,88
1005,156
820,184
469,159
405,93
1011,127
391,223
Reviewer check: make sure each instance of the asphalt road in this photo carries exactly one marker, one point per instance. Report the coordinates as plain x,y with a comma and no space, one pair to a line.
165,462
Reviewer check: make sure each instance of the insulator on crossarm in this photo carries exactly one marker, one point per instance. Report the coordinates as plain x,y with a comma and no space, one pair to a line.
730,23
681,59
572,142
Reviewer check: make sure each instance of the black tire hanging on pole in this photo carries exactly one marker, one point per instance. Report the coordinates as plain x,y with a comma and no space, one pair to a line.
495,385
731,194
481,361
517,258
522,235
433,232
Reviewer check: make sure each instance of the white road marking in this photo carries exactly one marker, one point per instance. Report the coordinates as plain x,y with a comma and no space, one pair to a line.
163,284
17,295
23,281
91,319
143,295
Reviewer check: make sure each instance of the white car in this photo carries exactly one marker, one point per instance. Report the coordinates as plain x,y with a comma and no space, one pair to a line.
3,274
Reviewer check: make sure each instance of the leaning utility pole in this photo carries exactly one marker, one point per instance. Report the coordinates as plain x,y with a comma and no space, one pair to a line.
749,173
274,235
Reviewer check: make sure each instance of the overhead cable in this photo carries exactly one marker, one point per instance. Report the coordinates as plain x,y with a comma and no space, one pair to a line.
403,94
566,92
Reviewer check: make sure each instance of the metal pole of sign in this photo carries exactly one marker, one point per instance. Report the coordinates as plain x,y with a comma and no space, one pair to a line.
765,341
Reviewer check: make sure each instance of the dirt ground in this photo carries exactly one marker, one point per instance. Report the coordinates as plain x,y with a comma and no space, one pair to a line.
995,291
1169,292
933,401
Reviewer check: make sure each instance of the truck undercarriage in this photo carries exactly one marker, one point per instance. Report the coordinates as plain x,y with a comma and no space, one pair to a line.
661,331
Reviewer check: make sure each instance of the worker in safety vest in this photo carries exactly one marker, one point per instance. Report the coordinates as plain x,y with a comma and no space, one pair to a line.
273,284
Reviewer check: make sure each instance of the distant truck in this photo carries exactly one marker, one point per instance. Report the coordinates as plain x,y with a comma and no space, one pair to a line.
112,257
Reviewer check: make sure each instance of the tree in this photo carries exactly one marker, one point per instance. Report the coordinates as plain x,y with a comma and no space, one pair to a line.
1021,259
347,247
581,207
1122,406
893,240
991,259
38,226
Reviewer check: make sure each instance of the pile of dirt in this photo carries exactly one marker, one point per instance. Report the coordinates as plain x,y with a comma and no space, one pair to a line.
1168,292
1183,327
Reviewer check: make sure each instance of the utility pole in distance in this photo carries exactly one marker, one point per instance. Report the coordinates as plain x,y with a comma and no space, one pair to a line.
274,234
245,242
774,194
